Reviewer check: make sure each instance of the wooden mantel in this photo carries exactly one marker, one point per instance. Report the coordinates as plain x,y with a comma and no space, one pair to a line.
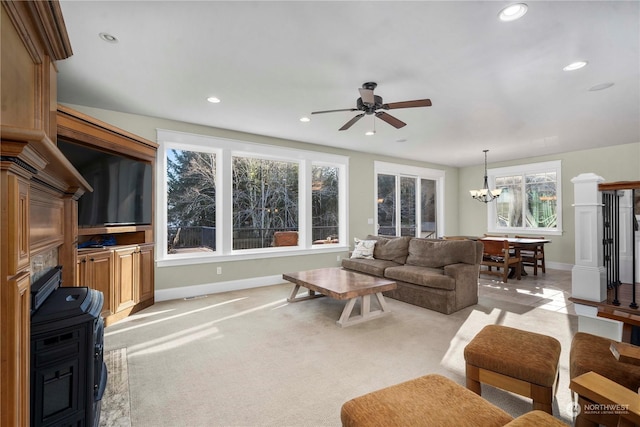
39,188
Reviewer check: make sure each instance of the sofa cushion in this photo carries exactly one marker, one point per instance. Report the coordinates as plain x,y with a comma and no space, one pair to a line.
375,267
363,249
393,249
437,254
424,276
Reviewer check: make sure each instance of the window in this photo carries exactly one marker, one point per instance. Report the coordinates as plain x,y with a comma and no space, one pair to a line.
265,200
530,200
222,198
411,194
325,190
191,201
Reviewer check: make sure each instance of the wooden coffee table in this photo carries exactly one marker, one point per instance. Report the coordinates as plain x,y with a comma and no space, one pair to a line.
342,284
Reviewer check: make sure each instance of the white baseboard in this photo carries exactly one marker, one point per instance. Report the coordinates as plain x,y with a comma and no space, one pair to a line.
214,288
255,282
559,266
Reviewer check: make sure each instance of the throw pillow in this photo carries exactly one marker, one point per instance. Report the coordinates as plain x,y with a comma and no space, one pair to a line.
363,249
391,248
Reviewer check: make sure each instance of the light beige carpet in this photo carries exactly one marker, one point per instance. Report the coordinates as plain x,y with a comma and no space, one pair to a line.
249,358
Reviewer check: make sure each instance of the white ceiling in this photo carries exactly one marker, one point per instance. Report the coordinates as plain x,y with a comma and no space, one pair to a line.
494,85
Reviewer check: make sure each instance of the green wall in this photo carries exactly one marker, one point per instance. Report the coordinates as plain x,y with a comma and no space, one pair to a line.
616,163
361,202
463,215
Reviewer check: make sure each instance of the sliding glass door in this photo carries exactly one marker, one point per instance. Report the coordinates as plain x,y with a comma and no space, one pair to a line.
412,200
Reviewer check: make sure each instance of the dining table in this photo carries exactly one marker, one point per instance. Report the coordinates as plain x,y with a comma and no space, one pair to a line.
518,243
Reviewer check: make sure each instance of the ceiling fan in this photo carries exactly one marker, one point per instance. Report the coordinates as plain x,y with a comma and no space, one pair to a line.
370,104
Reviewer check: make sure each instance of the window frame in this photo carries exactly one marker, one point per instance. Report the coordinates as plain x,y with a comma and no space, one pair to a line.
526,169
418,173
224,150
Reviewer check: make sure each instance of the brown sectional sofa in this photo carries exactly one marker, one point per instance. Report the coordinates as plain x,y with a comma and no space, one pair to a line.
440,275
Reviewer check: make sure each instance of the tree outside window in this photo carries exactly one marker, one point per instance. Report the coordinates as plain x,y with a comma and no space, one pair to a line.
265,200
530,199
325,203
262,190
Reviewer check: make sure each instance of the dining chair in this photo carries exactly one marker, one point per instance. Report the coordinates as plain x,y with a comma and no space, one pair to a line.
285,238
533,256
455,238
497,253
495,235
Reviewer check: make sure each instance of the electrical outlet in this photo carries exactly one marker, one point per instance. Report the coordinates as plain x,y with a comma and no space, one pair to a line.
338,258
219,270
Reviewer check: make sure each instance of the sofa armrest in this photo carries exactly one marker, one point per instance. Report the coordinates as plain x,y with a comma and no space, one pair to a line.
462,271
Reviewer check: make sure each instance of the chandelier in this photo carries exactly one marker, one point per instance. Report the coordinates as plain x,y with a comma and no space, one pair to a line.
485,195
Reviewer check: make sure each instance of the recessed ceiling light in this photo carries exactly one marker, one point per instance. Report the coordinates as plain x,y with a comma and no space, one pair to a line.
601,86
108,37
305,119
370,132
513,12
575,66
213,99
401,140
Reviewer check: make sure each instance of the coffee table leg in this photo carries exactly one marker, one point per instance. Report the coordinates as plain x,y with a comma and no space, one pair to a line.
365,310
294,292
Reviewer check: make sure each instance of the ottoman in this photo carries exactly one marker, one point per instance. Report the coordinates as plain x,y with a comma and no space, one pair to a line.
433,400
522,362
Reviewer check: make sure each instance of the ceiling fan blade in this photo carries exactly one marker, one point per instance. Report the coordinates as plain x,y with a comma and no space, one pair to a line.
333,111
408,104
351,122
367,96
396,123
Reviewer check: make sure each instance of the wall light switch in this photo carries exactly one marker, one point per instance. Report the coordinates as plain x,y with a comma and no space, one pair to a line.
370,221
219,270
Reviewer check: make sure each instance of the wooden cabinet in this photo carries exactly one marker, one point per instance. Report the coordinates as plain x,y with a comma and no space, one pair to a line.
146,273
95,270
127,266
38,186
124,275
131,263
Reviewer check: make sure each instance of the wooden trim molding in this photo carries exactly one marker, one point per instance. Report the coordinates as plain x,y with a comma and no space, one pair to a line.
46,22
81,128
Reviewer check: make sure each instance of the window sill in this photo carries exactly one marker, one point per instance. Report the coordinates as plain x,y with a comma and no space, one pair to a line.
207,258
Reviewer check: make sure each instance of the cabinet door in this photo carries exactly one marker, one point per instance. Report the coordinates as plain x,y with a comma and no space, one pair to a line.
99,276
126,277
81,271
145,287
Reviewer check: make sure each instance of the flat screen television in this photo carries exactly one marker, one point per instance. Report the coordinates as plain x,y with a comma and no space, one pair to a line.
122,187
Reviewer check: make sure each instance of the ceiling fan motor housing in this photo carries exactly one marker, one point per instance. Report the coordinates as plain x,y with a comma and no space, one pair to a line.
370,109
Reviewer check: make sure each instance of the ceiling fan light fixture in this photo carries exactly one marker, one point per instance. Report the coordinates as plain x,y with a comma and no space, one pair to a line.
513,12
575,66
370,132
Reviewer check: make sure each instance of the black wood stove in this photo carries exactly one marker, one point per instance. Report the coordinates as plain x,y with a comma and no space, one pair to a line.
68,374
